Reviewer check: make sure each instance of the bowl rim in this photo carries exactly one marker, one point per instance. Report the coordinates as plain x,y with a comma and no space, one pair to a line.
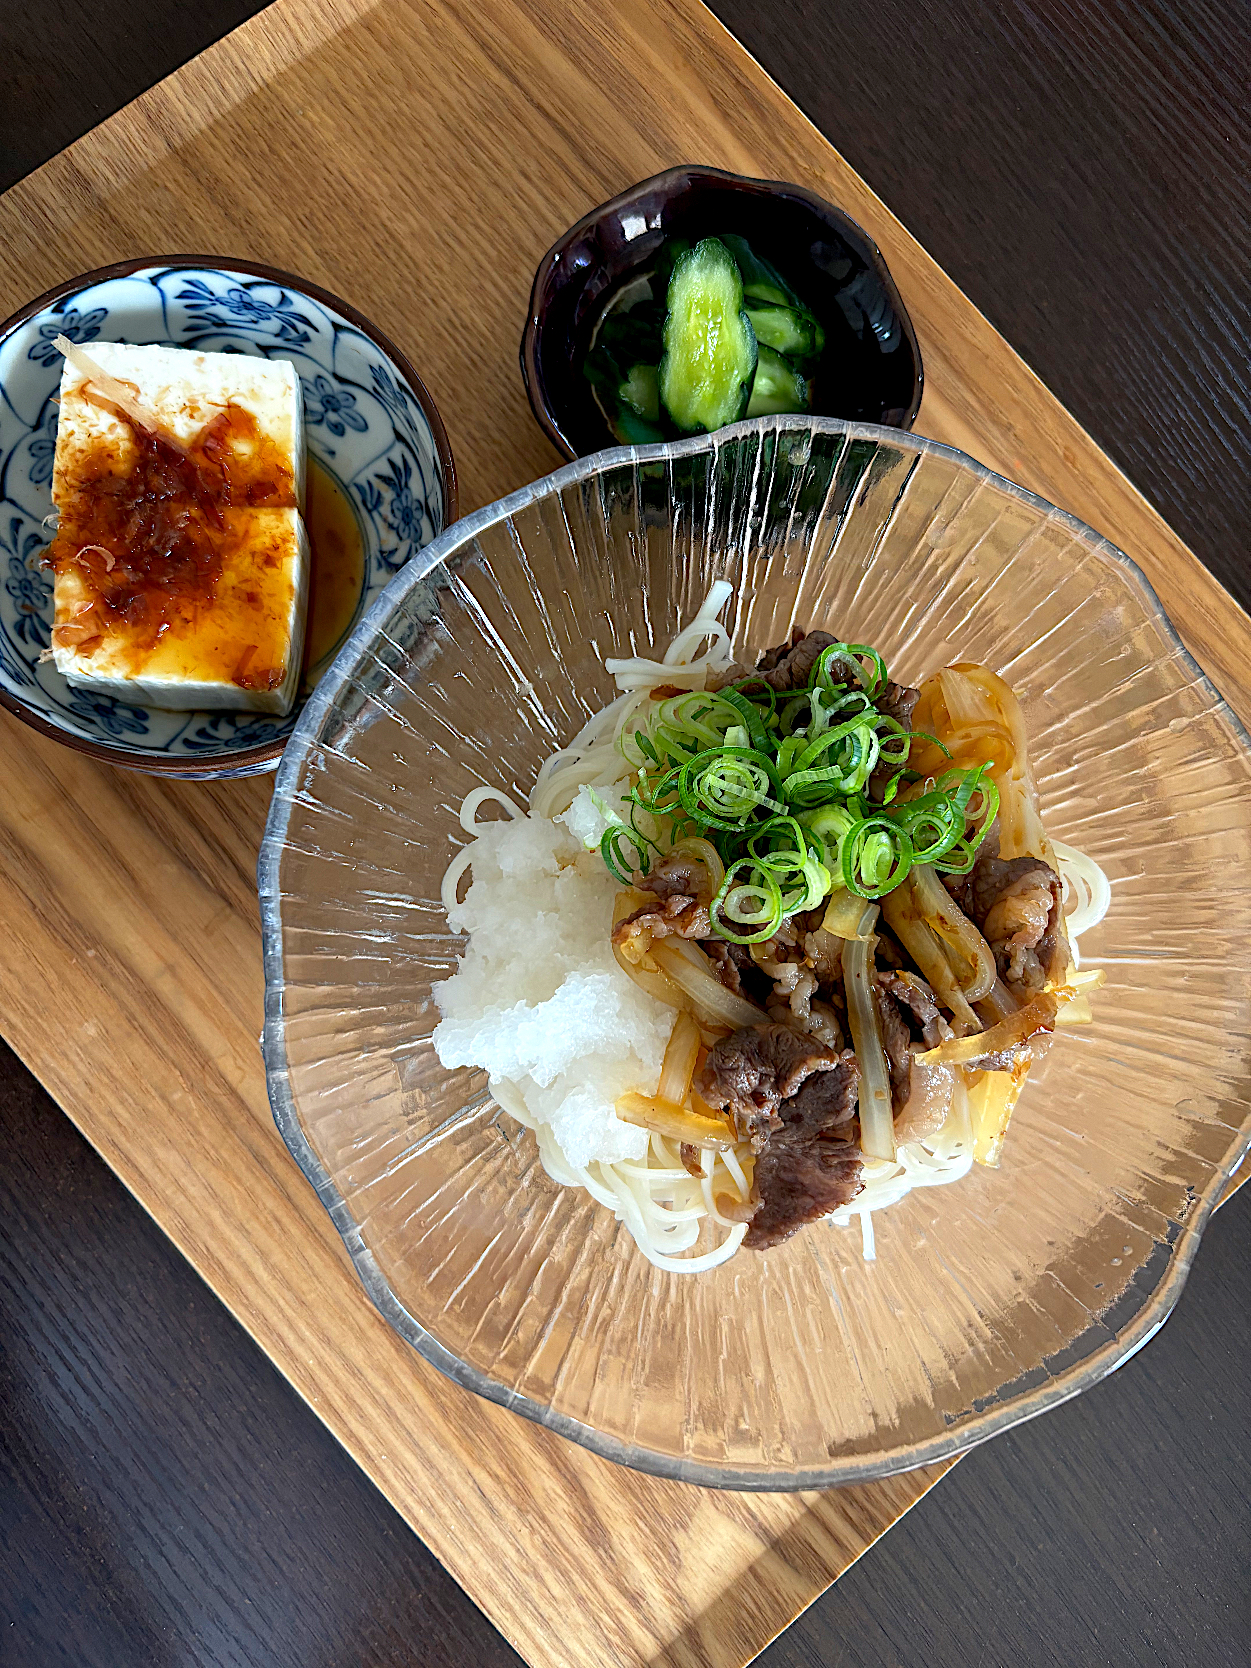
1023,1400
852,230
250,760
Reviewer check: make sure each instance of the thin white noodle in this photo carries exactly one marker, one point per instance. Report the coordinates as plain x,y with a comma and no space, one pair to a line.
1087,891
472,802
719,594
452,874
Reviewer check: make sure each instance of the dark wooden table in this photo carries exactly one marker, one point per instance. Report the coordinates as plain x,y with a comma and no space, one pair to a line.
1081,167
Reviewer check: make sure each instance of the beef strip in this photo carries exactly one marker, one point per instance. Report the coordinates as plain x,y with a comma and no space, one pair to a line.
808,1167
790,665
896,701
896,1043
734,967
733,673
679,886
692,1159
1018,905
675,876
906,1010
749,1072
911,992
726,964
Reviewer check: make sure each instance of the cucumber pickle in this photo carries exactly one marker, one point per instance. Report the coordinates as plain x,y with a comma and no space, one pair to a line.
710,346
715,333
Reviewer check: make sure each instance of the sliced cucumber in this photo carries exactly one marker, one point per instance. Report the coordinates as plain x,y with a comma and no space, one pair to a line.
710,347
641,392
777,387
791,330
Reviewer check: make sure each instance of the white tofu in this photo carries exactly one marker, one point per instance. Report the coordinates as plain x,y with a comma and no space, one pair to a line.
136,627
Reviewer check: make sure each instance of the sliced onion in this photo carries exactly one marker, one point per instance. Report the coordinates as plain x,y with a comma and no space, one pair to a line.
1036,1017
877,1124
843,914
664,1118
970,956
992,1096
926,950
687,967
997,1004
644,973
678,1067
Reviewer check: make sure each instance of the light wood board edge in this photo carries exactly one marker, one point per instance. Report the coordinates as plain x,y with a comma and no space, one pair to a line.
1027,435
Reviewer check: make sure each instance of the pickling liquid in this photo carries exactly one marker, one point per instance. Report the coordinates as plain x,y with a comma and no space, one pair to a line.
337,577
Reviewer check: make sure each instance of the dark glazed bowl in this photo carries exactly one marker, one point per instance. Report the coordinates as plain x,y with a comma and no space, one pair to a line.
871,369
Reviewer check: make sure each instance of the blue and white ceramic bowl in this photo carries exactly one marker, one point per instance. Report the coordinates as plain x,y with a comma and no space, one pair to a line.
369,422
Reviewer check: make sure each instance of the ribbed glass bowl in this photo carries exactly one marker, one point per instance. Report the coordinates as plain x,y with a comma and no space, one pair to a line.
990,1300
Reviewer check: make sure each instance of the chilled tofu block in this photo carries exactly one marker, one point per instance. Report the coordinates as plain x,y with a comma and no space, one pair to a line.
181,560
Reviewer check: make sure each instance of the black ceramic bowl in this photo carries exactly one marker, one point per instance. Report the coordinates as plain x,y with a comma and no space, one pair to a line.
871,369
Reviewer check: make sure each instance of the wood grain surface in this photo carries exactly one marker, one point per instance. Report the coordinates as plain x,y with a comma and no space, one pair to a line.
145,914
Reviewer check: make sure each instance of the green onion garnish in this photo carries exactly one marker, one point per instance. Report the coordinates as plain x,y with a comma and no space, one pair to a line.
781,788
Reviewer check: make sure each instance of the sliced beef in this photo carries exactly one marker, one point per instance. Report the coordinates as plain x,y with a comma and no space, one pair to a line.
889,951
751,1071
825,956
896,701
907,1012
808,1167
1018,905
679,886
725,963
733,673
896,1043
790,665
736,970
911,993
675,876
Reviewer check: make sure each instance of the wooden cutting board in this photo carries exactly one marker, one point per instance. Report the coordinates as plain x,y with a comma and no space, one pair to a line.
418,159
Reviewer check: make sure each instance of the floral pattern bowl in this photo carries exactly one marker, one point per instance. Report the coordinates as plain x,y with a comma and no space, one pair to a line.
369,422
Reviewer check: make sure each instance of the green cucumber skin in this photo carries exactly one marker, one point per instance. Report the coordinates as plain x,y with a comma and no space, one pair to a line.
710,347
777,387
789,330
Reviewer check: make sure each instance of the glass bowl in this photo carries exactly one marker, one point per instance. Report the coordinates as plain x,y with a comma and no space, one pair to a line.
990,1300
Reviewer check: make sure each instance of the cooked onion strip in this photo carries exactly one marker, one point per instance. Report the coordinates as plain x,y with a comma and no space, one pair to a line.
686,966
969,955
877,1124
992,1096
1036,1017
926,949
678,1067
674,1122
